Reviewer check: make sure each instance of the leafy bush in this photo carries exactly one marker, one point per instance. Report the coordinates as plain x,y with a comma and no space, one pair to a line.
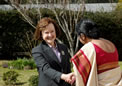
33,80
10,77
109,23
21,63
13,31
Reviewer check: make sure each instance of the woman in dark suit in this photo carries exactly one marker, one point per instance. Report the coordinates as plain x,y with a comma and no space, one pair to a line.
51,57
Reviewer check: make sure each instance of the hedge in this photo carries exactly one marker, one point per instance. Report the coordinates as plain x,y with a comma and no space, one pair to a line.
13,32
110,24
13,28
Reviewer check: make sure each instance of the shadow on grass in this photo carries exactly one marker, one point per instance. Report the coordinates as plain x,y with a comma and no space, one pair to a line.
16,84
20,83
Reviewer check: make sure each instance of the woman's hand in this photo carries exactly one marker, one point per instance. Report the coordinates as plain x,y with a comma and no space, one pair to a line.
69,78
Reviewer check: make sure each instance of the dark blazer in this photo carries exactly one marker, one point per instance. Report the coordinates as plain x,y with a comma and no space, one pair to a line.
48,65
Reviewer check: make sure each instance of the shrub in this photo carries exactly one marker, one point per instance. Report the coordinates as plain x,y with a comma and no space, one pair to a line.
13,31
29,62
10,77
33,80
109,23
16,64
21,63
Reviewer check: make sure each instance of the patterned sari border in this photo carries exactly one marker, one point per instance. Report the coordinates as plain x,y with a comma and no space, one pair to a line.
107,66
82,64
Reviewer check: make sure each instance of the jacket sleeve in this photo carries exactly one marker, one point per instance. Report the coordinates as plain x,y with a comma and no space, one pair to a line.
68,61
43,66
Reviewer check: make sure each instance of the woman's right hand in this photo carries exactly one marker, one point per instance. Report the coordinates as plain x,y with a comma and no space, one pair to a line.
69,78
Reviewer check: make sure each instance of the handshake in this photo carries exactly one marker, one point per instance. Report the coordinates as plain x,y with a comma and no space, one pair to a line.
69,78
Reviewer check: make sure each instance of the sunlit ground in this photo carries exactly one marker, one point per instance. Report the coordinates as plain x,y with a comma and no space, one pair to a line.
23,78
24,74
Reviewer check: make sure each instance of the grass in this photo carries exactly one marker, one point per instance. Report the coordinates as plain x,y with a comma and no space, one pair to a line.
24,74
23,78
120,63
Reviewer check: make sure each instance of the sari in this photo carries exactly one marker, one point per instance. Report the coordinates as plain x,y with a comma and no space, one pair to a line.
86,70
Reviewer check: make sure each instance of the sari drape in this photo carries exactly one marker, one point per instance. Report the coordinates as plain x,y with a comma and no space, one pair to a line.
85,69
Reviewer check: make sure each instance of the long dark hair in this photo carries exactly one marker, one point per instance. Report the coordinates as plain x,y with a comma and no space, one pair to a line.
88,28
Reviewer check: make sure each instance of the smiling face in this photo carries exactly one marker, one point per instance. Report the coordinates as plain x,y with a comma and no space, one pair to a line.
49,34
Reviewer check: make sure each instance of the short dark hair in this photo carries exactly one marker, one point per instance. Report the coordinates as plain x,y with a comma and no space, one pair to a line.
42,25
88,28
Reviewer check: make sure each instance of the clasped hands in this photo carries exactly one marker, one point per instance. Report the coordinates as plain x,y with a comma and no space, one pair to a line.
69,78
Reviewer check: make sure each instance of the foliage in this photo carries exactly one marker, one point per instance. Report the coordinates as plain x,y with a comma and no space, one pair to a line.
119,5
110,25
101,1
24,74
3,2
22,63
33,80
16,34
10,77
120,1
13,31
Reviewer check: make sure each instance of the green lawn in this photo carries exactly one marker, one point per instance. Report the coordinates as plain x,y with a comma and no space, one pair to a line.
24,74
120,63
23,78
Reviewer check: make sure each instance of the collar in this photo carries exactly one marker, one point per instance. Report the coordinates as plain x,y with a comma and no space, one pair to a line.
52,46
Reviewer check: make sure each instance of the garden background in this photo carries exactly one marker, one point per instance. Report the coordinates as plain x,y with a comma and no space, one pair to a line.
16,40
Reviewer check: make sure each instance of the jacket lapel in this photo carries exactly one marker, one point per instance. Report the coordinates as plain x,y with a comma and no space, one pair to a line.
48,52
62,54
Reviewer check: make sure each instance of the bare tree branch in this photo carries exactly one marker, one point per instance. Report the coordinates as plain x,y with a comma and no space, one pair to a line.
22,12
66,17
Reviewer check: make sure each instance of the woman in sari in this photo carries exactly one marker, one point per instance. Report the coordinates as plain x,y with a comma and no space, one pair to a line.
96,63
